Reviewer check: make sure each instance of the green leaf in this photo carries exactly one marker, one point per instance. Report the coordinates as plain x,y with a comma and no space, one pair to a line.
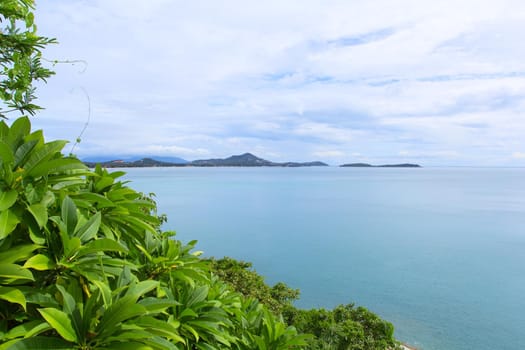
158,327
70,308
27,329
13,272
71,246
8,222
23,151
157,305
19,129
139,289
122,310
17,253
160,343
13,295
198,295
36,234
39,212
90,228
40,262
100,245
69,215
6,154
60,321
56,166
40,343
128,346
7,199
104,182
43,154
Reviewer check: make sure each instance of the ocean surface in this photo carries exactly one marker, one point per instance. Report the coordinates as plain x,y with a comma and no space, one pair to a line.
439,252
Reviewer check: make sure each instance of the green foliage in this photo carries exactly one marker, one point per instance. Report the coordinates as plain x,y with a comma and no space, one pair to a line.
249,283
84,265
343,328
20,57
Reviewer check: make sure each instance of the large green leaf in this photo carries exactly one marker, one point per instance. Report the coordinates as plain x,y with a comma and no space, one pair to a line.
10,273
69,215
27,329
60,321
6,153
17,253
160,328
124,309
39,212
70,308
128,345
198,295
137,290
43,154
7,199
56,166
40,343
8,222
19,129
13,295
90,228
157,305
23,152
95,199
103,183
40,262
100,245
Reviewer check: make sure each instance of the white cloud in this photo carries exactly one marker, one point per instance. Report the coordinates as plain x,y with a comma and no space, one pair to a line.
518,155
290,78
329,154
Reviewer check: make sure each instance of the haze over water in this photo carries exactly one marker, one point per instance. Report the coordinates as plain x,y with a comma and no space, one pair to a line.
439,252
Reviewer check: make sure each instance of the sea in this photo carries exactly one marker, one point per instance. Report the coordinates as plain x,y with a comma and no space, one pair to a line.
439,252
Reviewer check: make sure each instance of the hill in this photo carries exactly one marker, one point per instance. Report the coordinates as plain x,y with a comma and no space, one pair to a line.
242,160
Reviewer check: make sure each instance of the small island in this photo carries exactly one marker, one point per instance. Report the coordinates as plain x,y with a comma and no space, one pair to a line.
242,160
366,165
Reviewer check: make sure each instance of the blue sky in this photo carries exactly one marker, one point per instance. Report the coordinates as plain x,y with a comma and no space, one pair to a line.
379,81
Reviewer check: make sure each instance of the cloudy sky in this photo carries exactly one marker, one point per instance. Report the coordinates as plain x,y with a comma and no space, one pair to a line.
432,82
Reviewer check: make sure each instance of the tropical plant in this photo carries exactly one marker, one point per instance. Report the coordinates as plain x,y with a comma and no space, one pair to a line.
85,265
20,57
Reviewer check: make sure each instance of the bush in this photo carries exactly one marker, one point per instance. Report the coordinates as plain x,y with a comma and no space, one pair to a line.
84,265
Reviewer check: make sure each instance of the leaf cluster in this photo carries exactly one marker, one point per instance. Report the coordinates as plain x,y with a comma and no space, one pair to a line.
20,57
242,278
85,265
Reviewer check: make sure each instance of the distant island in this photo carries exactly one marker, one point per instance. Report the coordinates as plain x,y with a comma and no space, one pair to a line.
242,160
366,165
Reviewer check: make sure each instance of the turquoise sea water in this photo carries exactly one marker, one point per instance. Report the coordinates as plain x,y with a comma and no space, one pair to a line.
440,252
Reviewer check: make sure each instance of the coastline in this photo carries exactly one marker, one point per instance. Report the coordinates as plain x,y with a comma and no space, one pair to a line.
407,347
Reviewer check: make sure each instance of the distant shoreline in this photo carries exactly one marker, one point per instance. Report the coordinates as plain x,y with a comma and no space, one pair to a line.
242,160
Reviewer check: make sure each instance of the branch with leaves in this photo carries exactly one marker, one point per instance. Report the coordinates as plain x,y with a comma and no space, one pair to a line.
20,58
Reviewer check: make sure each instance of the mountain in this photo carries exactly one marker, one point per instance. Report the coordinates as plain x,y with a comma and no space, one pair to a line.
248,159
141,163
365,165
242,160
133,158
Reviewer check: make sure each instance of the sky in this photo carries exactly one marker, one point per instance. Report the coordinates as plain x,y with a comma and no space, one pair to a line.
439,83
